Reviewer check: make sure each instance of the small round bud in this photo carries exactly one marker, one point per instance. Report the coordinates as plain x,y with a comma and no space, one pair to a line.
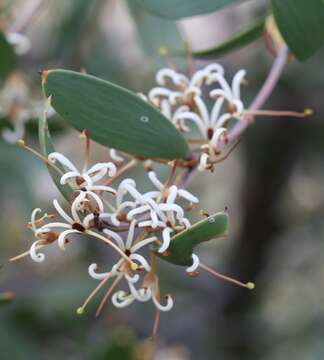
80,311
134,266
308,112
21,142
163,51
250,285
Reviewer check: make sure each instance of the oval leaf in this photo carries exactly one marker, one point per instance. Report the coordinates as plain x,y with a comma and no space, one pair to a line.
176,9
239,40
301,24
8,57
47,147
182,245
114,116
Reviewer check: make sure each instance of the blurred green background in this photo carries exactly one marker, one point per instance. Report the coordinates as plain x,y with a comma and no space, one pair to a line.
272,185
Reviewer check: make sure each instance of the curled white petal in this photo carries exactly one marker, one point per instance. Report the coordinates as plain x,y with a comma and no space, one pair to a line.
116,237
132,279
33,218
92,270
63,235
156,182
149,223
139,210
115,156
166,239
195,118
130,235
142,243
69,175
37,257
218,135
108,166
167,307
236,83
56,156
195,264
63,214
202,108
141,296
120,299
203,162
188,196
172,207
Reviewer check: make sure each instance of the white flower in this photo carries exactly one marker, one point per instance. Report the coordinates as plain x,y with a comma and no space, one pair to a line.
161,208
185,88
72,225
43,234
230,93
85,180
123,269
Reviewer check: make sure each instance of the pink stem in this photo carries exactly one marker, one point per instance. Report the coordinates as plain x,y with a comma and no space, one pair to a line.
264,93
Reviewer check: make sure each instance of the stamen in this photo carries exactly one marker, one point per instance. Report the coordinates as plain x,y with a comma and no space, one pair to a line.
80,310
306,113
85,135
22,144
248,285
108,293
156,323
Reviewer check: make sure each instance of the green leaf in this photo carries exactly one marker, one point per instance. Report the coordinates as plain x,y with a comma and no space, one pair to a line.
155,32
114,116
182,245
245,37
47,147
176,9
7,56
6,297
301,24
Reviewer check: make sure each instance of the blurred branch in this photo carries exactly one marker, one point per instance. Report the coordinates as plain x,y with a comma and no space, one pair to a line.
26,16
264,93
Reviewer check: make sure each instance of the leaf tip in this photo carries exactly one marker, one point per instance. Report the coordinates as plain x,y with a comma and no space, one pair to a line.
44,75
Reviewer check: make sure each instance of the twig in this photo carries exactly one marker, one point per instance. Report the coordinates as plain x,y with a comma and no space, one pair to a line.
264,93
26,16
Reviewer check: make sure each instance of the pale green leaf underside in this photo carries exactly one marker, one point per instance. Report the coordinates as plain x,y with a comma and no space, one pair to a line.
182,245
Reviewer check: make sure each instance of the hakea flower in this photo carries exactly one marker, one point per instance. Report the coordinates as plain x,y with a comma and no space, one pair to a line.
149,288
44,236
84,182
157,209
178,89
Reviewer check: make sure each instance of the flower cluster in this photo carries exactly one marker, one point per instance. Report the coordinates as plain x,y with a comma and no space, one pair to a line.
180,99
136,225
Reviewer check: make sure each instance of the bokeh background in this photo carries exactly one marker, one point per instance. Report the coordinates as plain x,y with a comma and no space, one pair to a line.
272,185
